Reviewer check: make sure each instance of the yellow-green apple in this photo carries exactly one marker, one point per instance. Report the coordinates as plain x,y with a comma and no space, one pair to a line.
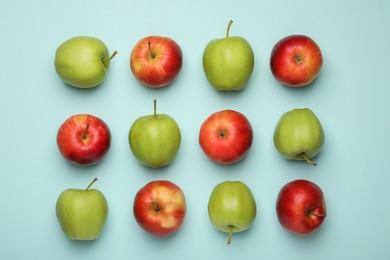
83,139
228,62
82,214
82,61
232,207
299,135
226,136
155,139
300,207
160,208
156,61
296,60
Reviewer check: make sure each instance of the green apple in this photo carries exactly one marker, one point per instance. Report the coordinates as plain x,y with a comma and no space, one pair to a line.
232,207
228,62
82,61
155,139
299,135
82,214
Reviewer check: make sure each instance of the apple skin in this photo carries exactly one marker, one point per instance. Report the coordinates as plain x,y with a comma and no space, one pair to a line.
83,139
160,208
155,139
82,61
226,136
299,135
156,61
228,62
296,61
301,207
232,207
82,214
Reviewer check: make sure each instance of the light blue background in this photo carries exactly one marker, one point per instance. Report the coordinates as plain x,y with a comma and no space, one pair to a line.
350,97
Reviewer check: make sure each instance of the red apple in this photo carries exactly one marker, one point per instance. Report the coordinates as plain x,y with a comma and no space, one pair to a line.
156,61
226,136
159,208
83,139
296,60
300,207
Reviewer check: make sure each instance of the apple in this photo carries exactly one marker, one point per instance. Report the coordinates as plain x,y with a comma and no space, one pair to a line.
296,60
231,207
228,62
156,61
226,136
300,207
83,139
82,61
82,214
155,139
299,135
160,208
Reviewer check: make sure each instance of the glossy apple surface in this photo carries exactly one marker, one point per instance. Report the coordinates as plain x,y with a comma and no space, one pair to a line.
232,207
156,61
300,207
296,60
226,136
82,214
83,139
155,139
160,208
82,61
299,135
228,62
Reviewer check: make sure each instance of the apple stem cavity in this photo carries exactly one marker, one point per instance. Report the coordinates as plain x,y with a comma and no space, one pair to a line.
222,133
308,160
228,28
155,108
155,207
111,57
298,59
152,54
92,182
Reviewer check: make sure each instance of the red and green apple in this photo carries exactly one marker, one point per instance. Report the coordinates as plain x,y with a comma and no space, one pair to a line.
226,136
300,207
156,61
160,208
83,139
296,60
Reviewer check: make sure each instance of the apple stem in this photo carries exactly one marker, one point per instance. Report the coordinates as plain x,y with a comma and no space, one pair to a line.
309,161
228,28
150,50
92,182
230,235
155,207
314,213
111,57
155,108
85,132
